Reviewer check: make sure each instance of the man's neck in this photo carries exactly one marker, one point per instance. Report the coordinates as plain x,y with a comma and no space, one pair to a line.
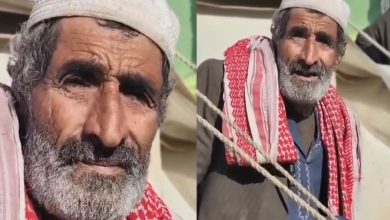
299,112
304,116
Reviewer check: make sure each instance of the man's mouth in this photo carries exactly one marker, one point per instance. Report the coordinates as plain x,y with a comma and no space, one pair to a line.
307,76
103,167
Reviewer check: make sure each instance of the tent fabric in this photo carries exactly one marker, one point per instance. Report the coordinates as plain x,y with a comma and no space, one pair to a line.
364,85
373,195
178,142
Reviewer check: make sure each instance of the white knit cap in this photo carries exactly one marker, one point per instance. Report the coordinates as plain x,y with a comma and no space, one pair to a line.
338,10
153,18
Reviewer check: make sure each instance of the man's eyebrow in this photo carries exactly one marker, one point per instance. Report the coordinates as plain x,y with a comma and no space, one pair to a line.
325,37
91,71
136,81
298,30
94,73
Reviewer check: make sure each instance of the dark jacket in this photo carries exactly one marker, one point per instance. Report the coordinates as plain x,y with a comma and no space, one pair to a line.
229,191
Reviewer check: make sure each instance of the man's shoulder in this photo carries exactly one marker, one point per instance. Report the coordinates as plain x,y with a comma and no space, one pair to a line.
211,65
210,72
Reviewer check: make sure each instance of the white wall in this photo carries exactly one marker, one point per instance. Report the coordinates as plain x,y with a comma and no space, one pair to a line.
217,31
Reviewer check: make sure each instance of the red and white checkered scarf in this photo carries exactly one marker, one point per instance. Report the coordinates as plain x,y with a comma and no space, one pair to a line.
14,202
151,207
253,101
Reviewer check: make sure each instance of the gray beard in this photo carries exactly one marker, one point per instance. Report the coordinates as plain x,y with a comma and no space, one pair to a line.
65,190
298,91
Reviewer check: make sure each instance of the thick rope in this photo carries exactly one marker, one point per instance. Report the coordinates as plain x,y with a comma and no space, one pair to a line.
262,170
371,40
185,61
274,163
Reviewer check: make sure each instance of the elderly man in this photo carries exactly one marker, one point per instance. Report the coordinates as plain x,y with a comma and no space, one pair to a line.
89,90
279,92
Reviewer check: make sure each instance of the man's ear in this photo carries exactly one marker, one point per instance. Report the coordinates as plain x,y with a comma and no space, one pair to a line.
341,54
275,47
22,113
338,61
339,58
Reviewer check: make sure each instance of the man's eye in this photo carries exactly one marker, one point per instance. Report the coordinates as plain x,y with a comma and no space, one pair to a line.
326,42
143,97
297,34
76,81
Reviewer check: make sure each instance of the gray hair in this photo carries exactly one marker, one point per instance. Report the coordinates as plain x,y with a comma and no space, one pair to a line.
279,25
31,53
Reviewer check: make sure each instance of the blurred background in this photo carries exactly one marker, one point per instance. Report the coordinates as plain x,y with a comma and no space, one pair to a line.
362,81
172,170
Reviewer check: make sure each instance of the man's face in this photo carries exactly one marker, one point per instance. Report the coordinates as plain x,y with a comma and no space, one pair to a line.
94,117
307,56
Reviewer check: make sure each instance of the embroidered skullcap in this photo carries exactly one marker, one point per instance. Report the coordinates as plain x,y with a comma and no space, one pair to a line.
153,18
338,10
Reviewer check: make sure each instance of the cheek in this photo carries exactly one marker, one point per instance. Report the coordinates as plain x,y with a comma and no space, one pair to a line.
143,128
330,59
61,114
66,116
288,50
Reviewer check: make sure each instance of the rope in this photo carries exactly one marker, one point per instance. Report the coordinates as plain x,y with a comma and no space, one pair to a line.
185,61
274,163
371,40
262,170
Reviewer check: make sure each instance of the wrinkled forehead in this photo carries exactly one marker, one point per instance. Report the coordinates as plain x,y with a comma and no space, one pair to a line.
96,27
81,32
312,20
153,18
91,46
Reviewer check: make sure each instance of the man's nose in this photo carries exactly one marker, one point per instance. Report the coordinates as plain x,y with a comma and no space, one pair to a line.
309,53
106,120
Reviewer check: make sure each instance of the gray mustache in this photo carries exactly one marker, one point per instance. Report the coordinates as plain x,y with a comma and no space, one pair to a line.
88,151
315,70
